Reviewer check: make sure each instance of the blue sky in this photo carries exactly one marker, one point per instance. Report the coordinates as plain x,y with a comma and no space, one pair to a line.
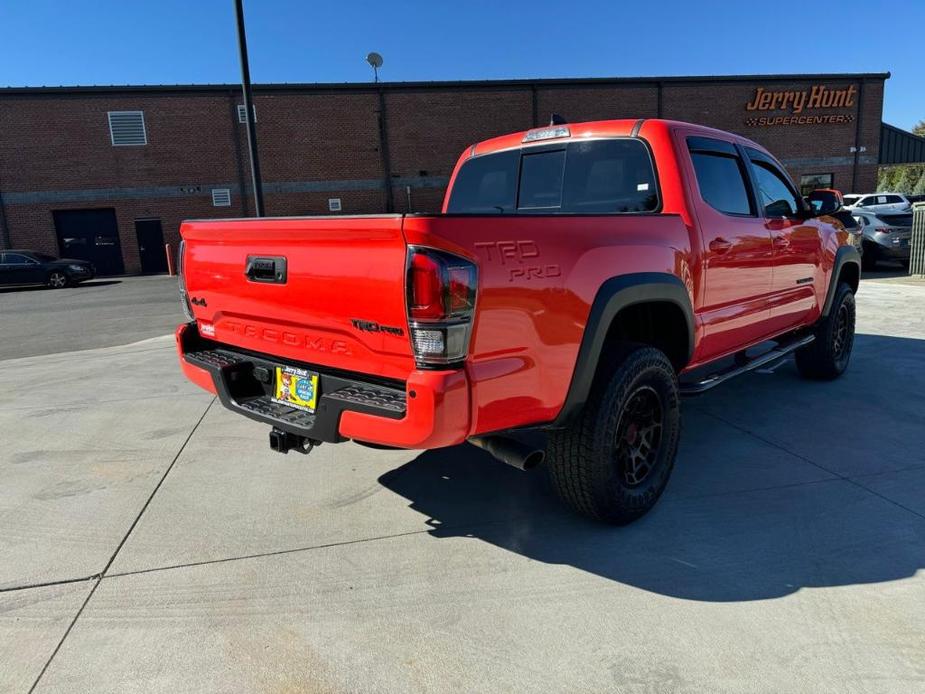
45,42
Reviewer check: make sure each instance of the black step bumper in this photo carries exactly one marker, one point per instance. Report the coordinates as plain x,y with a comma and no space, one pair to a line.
244,383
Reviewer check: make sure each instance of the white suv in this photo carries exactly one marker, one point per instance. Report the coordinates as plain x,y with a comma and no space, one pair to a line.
889,203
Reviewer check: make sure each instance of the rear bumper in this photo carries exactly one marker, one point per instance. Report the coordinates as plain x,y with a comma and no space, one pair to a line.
894,246
81,275
903,252
430,410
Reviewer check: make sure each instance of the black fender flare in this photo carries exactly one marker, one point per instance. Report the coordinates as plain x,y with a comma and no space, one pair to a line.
843,256
616,294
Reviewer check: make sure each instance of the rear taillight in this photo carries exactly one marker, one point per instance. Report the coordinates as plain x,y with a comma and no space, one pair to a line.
181,281
882,230
441,290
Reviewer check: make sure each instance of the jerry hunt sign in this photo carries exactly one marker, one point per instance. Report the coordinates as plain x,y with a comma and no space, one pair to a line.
816,97
796,102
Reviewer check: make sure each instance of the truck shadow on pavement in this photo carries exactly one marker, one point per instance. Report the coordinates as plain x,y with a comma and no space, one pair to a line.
744,517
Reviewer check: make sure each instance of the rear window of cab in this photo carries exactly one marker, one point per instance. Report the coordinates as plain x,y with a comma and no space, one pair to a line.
606,176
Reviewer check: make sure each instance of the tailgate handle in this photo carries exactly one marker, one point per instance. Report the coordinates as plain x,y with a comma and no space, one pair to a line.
261,268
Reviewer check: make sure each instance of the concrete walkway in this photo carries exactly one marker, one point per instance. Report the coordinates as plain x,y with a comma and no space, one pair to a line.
150,541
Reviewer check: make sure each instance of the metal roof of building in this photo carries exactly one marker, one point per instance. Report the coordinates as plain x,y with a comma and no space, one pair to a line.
900,147
457,84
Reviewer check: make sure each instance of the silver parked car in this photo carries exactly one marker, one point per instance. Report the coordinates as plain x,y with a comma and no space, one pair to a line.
886,236
888,203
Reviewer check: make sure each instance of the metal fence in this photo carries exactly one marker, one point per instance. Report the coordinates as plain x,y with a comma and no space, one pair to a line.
917,261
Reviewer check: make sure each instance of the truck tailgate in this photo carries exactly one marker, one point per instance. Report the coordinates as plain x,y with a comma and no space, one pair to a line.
326,291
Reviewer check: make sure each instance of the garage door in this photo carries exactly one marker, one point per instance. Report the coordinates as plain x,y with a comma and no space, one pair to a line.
90,235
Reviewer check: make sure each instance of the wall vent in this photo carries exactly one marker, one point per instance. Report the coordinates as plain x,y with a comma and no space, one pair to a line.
127,128
242,114
221,197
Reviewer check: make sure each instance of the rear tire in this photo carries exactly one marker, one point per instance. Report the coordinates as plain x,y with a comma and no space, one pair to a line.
827,356
57,279
613,463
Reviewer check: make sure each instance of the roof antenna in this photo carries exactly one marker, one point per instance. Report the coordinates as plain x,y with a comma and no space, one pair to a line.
556,119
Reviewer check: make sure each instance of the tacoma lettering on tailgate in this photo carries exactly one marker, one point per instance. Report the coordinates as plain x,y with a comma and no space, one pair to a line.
288,337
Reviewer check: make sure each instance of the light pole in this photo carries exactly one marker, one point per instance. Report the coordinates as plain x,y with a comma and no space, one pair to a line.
375,62
249,112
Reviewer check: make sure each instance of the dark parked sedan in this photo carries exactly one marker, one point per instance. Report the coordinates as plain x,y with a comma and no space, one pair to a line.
30,267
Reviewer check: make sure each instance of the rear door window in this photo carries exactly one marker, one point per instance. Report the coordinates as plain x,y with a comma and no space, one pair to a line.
606,176
721,176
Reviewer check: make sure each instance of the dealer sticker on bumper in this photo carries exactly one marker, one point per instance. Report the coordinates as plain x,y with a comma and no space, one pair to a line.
296,388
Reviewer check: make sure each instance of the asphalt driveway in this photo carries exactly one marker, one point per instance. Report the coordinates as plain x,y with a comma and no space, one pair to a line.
104,312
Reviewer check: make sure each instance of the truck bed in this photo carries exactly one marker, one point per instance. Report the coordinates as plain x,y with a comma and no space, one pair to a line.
537,278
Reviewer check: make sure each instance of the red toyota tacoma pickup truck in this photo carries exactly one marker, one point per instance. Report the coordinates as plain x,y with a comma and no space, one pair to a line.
580,279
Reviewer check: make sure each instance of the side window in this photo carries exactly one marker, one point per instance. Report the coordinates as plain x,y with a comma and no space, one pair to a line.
893,199
541,181
16,259
774,192
720,176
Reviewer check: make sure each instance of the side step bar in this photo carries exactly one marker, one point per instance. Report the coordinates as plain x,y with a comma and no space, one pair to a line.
740,367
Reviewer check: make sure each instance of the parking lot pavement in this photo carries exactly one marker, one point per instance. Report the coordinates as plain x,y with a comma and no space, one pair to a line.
87,435
101,313
786,555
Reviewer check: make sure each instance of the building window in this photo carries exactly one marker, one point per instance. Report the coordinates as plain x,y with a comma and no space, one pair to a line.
221,197
127,128
811,182
334,205
242,114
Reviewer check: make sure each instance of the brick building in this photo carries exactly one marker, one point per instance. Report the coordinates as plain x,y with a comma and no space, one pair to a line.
104,172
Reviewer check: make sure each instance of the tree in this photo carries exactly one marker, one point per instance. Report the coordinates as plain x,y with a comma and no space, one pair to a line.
886,178
919,128
906,180
919,188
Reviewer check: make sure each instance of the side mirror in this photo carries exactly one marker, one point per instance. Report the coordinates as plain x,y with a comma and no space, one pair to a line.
823,202
778,208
